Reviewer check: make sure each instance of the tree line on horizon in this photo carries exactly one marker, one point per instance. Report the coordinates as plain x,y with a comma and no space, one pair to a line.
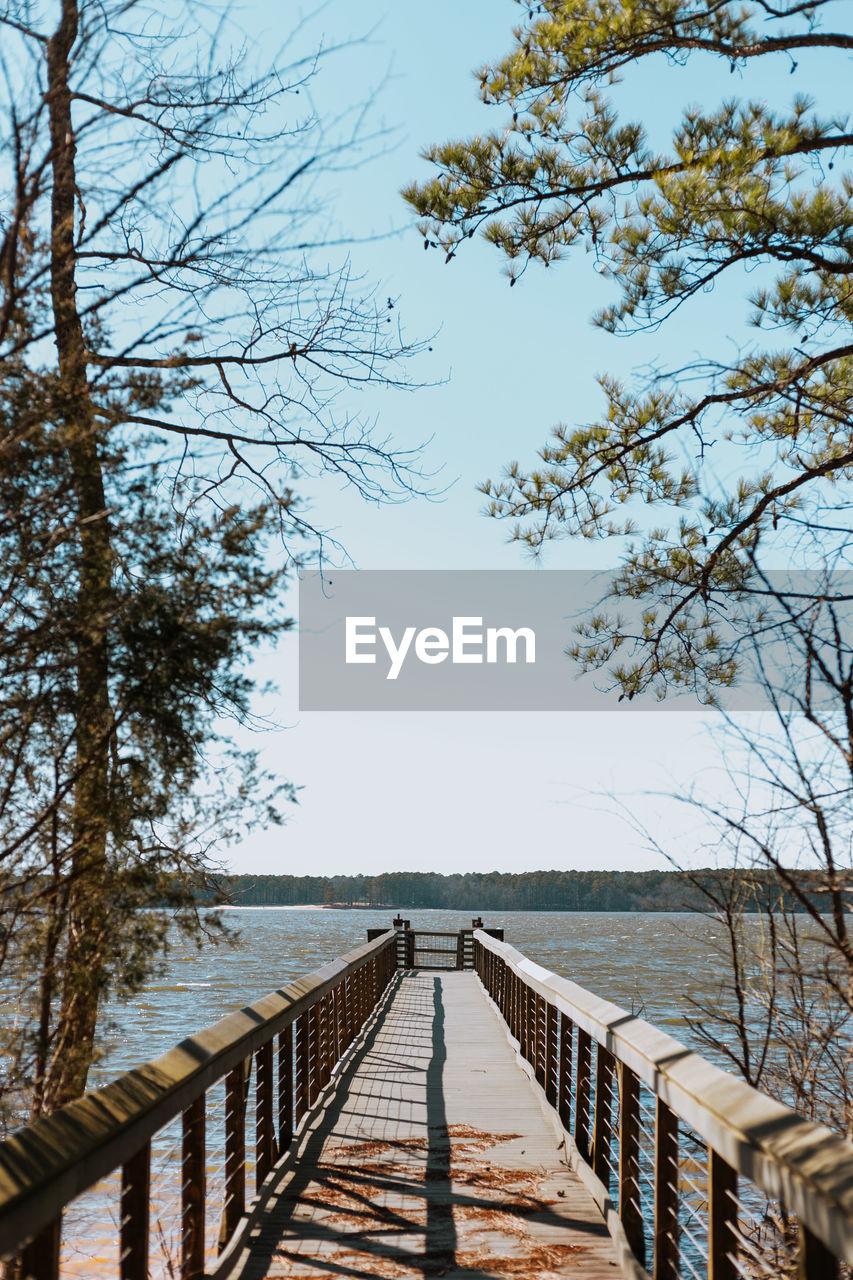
653,890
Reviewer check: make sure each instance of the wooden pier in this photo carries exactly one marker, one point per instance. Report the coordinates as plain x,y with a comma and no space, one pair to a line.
431,1156
471,1115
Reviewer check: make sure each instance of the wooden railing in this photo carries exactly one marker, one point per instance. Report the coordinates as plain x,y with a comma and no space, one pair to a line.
290,1041
697,1173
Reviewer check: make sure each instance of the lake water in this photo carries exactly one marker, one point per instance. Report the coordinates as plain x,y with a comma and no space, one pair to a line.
648,962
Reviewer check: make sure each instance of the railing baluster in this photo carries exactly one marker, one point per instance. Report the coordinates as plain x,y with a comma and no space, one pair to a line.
629,1162
235,1153
603,1126
40,1258
539,1059
193,1191
816,1262
285,1088
313,1051
582,1085
521,1016
666,1193
264,1127
135,1204
551,1054
722,1218
565,1086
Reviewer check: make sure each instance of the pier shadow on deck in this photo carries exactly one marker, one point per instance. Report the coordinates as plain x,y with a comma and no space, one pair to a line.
431,1156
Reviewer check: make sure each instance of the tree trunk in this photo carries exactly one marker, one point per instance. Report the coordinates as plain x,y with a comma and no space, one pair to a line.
84,974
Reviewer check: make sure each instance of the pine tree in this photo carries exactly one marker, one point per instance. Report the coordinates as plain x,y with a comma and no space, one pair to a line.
747,184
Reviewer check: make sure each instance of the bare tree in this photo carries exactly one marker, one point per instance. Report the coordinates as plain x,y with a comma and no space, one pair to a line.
172,363
783,892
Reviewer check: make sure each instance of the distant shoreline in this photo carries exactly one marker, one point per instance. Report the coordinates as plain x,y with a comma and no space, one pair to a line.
306,906
407,892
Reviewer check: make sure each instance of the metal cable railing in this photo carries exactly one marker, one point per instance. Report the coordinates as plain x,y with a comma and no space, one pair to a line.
698,1174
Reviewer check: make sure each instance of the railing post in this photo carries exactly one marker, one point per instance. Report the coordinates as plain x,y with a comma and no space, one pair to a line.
318,1053
666,1193
565,1087
340,1020
302,1069
359,999
235,1153
816,1262
514,1025
193,1191
629,1162
135,1203
722,1218
603,1128
40,1258
551,1054
532,1014
324,1041
285,1088
583,1072
349,1018
264,1127
313,1051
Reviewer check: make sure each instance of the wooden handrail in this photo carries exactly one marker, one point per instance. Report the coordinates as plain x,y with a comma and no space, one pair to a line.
48,1163
804,1165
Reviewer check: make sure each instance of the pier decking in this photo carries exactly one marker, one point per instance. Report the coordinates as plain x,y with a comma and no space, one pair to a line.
432,1156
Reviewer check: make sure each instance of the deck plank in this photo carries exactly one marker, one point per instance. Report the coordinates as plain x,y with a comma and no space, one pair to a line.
432,1157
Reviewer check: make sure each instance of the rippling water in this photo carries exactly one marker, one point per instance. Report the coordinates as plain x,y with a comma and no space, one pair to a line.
648,962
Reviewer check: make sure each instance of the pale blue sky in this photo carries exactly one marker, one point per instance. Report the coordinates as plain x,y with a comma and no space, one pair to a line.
453,792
